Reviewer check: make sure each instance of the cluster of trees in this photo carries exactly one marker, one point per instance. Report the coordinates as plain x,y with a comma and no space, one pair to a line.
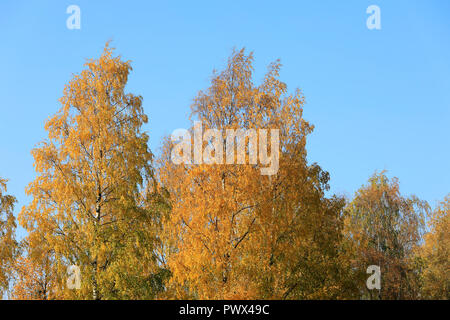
142,227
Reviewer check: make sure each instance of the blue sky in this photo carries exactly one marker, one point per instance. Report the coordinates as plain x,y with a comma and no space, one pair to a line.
380,99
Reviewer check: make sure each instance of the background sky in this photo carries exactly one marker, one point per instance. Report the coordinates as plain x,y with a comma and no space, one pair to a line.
379,99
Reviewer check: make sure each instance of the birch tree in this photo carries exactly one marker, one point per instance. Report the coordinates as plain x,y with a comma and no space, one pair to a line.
94,175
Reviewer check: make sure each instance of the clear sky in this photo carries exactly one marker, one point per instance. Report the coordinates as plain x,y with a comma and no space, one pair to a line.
380,99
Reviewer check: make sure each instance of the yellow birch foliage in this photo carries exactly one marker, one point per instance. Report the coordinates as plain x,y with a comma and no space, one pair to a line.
34,274
234,233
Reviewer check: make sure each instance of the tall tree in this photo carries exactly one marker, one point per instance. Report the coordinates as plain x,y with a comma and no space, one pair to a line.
94,181
236,231
386,228
436,252
8,243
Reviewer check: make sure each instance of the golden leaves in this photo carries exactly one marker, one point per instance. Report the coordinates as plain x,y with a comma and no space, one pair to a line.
209,231
436,253
8,244
235,233
92,170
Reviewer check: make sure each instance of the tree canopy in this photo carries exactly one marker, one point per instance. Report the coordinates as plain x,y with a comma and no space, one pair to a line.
230,208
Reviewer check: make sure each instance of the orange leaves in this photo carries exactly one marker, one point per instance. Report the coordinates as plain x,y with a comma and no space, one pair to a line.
235,233
34,277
